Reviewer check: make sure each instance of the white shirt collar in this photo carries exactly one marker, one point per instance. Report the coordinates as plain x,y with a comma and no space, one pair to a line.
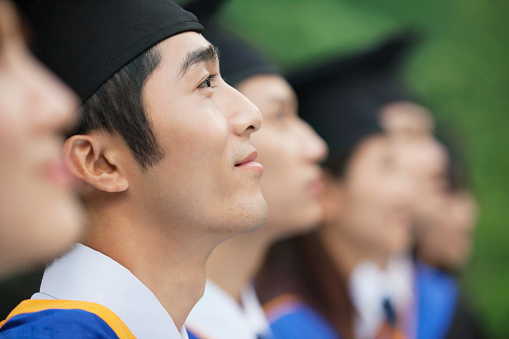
369,285
87,275
217,315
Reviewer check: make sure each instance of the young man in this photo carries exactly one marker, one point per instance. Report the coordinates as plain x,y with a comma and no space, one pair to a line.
167,170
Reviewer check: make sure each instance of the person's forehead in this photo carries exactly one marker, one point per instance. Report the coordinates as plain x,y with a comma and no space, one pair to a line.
176,48
407,117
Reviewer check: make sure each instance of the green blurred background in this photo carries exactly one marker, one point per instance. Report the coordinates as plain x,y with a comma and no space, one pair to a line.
461,70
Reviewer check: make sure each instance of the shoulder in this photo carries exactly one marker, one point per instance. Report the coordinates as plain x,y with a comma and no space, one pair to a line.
290,317
435,288
437,294
62,319
57,323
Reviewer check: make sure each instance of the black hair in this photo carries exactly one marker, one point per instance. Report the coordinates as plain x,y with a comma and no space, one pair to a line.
117,107
302,267
338,160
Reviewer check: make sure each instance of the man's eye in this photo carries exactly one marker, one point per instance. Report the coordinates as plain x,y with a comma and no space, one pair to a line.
207,83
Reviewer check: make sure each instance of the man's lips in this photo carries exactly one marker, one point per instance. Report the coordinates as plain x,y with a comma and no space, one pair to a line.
249,163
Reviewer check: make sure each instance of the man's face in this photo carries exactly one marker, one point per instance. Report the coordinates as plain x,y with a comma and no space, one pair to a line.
290,152
208,179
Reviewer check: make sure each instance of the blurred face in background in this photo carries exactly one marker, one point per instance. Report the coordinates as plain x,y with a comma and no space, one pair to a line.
369,207
418,153
447,243
39,217
290,152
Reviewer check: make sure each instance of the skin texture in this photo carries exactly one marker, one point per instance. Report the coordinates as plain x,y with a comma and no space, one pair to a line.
39,217
447,243
290,152
420,154
208,133
163,222
367,212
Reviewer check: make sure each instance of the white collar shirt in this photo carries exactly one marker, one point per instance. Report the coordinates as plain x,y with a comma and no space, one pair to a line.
217,315
84,274
369,285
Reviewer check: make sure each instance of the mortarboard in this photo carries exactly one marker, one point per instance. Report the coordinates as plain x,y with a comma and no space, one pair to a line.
341,99
85,42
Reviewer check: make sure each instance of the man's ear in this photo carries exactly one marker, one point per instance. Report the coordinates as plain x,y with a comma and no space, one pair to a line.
96,159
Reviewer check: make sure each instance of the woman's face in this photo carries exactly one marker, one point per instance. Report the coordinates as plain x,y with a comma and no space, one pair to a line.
39,217
290,150
372,200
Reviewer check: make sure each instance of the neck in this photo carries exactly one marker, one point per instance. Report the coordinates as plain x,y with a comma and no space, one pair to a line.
234,263
345,253
167,259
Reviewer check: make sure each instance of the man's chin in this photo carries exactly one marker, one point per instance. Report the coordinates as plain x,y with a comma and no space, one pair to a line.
250,217
254,216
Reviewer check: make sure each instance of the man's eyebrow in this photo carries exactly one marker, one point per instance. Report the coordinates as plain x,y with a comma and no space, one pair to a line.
206,54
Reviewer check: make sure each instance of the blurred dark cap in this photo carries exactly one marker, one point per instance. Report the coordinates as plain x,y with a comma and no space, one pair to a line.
86,42
238,60
341,99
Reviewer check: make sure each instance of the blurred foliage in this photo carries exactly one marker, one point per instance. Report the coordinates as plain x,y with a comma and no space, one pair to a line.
461,70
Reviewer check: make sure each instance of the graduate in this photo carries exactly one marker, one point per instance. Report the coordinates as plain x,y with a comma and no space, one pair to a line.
442,250
442,211
447,242
165,165
347,279
290,152
39,217
443,215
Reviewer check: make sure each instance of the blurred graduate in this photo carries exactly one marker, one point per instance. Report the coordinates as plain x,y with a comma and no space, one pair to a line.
39,216
442,249
444,213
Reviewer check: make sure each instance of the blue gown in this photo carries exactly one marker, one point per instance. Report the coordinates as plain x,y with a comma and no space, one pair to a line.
437,294
291,318
63,319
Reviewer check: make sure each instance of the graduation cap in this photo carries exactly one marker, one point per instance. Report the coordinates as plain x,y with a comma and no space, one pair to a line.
85,42
238,60
341,98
